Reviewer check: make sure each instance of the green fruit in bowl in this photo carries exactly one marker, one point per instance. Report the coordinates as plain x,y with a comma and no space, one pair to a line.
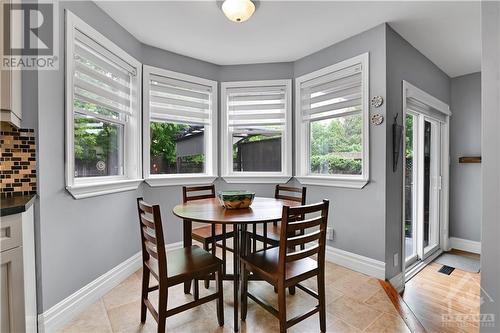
236,199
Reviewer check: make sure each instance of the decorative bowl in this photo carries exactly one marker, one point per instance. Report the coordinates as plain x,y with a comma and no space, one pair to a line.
236,199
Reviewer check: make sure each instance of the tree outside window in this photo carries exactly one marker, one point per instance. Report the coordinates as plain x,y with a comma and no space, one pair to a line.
98,144
176,148
336,145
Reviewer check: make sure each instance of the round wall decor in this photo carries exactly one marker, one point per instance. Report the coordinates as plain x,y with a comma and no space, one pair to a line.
377,119
377,101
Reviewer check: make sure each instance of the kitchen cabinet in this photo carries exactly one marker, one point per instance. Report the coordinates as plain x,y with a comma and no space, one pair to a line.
10,79
12,293
17,273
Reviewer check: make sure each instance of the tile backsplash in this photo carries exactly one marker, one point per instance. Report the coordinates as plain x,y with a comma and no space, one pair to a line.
17,161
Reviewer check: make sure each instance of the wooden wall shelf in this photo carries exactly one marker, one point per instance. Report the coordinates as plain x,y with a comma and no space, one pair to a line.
469,159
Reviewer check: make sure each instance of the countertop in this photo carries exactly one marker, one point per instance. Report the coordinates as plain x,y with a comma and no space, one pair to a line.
15,205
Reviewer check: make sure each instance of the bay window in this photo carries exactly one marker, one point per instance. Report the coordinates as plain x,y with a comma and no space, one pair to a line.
103,101
332,125
180,122
256,131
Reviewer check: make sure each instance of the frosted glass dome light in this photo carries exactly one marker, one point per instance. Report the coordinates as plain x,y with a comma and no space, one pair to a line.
238,10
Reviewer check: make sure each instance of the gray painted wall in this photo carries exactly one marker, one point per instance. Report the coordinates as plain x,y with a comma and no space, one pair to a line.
272,71
78,238
30,120
360,231
178,63
404,62
490,97
465,140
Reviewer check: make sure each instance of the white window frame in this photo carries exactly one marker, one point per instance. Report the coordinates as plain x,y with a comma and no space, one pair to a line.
302,130
92,186
286,143
210,135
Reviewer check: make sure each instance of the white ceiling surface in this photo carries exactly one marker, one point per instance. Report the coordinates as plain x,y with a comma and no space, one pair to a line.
448,33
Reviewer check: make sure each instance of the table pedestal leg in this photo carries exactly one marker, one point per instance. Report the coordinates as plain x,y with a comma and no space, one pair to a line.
236,273
188,241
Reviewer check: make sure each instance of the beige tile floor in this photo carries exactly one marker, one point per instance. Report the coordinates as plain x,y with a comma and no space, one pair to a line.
355,303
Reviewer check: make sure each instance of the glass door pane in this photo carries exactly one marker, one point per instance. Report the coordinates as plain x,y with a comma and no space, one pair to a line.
427,179
422,186
431,185
410,189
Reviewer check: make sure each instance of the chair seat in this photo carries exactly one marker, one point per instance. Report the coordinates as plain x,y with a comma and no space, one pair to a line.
185,263
204,233
266,263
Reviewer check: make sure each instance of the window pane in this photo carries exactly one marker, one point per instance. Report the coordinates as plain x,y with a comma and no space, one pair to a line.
98,148
177,148
336,146
257,149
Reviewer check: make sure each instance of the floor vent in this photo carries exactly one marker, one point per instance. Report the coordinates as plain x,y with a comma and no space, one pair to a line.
446,270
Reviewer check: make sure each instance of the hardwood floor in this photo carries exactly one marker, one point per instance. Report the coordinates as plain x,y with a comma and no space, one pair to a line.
403,309
445,303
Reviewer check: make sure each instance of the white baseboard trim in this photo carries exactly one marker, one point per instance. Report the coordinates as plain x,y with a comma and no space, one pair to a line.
63,312
465,245
397,282
356,262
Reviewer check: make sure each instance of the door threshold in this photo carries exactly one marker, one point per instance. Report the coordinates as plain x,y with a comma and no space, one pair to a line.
405,312
419,265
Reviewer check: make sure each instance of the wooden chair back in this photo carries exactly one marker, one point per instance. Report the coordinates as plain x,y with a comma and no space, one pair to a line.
188,196
289,190
152,239
314,231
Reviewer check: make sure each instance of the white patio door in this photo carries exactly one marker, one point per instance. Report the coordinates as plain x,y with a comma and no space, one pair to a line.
422,185
430,185
426,174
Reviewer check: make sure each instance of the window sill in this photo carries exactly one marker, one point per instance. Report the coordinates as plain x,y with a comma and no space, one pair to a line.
81,191
179,180
332,181
256,179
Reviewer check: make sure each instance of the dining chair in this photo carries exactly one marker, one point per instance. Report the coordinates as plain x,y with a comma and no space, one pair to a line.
287,195
207,235
172,268
270,235
284,266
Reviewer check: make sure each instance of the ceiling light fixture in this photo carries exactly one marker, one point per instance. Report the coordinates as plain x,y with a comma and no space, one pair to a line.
238,10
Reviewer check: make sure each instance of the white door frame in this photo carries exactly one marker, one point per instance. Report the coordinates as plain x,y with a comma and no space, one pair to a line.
415,192
411,91
430,248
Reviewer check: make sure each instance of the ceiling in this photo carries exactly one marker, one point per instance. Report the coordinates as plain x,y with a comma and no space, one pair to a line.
448,33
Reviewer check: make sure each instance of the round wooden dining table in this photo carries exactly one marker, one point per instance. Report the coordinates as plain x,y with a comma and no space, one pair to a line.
262,210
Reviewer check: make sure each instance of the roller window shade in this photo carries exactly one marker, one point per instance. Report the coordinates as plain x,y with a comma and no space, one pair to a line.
179,101
256,109
335,94
101,78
